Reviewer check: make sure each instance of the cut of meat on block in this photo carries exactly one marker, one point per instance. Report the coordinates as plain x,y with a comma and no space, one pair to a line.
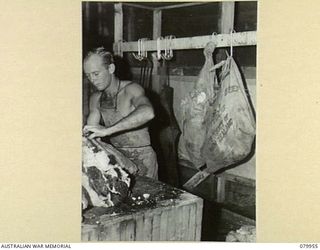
153,212
105,175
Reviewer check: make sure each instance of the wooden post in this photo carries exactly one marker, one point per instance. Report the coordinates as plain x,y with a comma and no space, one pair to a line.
155,84
86,23
226,27
99,24
118,27
157,15
221,188
227,17
130,24
226,24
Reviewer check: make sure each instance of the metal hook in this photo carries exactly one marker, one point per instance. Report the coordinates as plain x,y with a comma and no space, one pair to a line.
168,52
214,34
142,53
159,55
164,56
138,56
231,42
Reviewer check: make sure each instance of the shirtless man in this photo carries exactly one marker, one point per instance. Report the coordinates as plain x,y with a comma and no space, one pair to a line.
124,109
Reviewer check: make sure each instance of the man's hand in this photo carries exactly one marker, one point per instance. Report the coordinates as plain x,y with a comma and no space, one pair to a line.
97,131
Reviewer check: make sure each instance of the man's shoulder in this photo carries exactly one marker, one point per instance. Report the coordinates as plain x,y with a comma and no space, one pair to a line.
134,88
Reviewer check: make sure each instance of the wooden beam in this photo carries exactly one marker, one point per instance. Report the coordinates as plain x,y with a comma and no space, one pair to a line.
182,5
100,24
157,19
226,24
118,27
139,6
157,16
247,38
86,6
221,188
227,17
130,24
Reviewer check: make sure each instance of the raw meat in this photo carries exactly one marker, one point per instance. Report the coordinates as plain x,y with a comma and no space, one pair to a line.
105,182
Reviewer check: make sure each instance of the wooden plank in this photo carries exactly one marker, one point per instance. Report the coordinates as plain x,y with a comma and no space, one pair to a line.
156,227
99,19
93,236
221,188
226,25
182,5
104,233
199,209
138,6
247,38
147,227
232,216
237,178
192,223
130,24
179,221
171,227
227,17
118,27
164,225
185,222
157,19
123,233
114,232
130,230
139,227
89,233
86,6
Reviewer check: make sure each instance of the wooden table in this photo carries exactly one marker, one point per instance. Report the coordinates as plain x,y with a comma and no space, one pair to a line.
168,214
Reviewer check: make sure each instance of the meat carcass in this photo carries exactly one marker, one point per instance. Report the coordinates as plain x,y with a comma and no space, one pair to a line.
105,174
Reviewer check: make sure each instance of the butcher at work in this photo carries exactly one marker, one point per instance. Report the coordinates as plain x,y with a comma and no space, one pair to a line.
124,110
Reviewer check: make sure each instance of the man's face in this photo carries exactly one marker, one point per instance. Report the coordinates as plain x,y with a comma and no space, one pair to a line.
97,73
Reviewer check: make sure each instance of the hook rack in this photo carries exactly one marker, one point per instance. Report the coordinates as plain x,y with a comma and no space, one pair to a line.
168,51
142,52
247,38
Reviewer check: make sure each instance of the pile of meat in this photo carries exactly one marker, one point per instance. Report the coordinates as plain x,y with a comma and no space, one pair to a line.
105,175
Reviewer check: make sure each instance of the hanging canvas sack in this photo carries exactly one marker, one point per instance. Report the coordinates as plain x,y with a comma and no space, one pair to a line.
194,109
231,126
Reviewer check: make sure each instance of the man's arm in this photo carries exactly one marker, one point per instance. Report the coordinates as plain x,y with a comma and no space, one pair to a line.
94,113
141,114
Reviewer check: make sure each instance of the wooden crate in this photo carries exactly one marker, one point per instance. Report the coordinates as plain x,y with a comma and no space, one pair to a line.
176,219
